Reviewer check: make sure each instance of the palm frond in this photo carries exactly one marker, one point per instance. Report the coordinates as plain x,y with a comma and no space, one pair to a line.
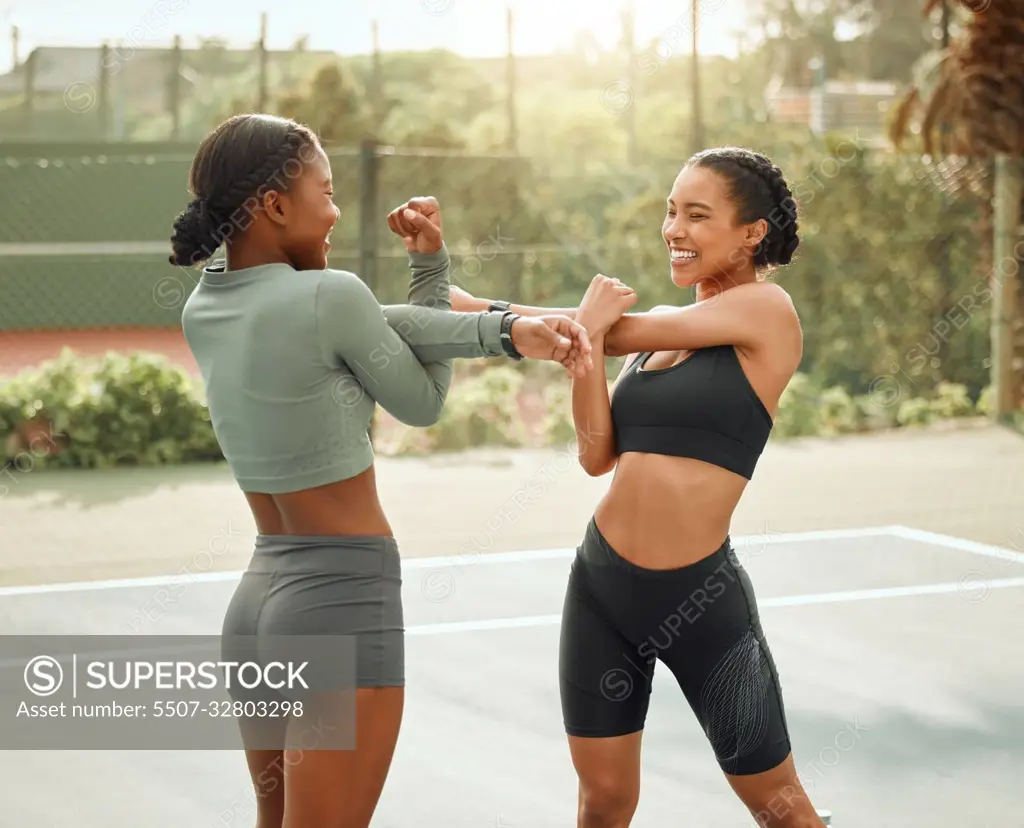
968,91
902,117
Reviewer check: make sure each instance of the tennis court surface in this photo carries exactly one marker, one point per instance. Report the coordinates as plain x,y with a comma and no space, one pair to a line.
899,651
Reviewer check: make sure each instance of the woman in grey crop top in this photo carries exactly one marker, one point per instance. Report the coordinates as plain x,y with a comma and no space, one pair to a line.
294,357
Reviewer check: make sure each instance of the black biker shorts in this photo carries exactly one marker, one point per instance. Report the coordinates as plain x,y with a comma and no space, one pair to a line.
701,621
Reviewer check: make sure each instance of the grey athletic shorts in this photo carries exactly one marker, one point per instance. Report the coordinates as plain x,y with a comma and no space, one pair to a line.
327,585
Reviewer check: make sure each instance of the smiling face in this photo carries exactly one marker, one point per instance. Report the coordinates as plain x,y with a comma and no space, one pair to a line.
262,186
704,237
306,215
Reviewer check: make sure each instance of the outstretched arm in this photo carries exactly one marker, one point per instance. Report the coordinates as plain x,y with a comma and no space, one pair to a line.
470,304
747,316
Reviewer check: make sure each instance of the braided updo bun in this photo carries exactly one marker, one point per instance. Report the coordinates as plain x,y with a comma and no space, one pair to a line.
235,166
760,191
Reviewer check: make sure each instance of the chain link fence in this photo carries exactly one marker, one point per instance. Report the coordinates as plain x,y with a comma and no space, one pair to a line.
890,273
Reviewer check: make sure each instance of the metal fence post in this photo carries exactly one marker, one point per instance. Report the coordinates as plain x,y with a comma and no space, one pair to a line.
369,184
1005,308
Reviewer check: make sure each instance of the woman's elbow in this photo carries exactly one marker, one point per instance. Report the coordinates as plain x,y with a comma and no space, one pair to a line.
597,466
421,416
611,346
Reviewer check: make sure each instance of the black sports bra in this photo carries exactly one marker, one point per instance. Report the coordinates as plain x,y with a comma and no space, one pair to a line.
703,407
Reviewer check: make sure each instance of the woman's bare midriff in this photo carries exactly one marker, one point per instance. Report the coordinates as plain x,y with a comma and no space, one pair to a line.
667,512
663,512
348,507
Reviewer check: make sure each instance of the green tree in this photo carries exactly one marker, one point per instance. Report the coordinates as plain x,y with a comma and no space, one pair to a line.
968,102
890,37
333,104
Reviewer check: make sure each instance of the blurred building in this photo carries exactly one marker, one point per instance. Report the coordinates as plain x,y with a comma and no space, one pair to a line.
835,106
124,92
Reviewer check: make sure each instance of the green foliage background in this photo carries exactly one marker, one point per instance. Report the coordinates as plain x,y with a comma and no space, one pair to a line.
891,280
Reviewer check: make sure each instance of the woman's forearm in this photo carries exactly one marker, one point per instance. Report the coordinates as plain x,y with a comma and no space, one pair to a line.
427,323
592,415
436,335
614,342
477,305
529,310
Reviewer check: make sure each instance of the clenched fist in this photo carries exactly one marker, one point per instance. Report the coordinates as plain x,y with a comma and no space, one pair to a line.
418,222
605,301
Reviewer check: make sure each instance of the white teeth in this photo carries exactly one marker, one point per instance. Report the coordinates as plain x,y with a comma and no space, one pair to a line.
683,254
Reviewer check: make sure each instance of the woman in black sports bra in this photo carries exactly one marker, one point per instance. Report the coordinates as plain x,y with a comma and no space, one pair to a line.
655,577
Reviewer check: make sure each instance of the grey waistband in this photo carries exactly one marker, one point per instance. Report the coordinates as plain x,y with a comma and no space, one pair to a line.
343,554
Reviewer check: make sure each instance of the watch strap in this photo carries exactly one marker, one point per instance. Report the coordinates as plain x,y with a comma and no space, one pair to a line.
508,346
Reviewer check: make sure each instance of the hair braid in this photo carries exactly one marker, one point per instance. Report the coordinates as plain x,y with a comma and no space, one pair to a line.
228,180
761,192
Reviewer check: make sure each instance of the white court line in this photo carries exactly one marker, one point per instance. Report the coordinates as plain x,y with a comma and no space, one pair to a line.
957,543
485,558
968,592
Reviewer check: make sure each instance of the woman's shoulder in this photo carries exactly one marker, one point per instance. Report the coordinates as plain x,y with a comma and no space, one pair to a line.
343,291
339,281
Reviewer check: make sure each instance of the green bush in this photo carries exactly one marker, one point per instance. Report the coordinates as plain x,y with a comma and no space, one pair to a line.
116,410
876,411
986,399
952,400
799,413
986,404
916,411
142,410
482,410
558,427
839,412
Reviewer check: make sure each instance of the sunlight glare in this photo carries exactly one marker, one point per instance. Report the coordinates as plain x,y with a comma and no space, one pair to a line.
544,25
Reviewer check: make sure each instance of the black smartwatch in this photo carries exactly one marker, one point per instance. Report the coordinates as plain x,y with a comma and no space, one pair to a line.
500,306
507,345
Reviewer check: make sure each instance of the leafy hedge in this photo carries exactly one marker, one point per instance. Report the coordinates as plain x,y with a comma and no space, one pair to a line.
141,410
96,413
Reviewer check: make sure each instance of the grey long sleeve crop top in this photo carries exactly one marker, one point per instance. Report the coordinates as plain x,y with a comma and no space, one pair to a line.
294,362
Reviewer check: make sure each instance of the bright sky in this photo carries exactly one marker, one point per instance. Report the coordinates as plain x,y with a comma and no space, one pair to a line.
471,27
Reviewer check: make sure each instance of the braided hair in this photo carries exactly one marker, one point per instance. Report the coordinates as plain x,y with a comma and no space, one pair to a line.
760,191
235,166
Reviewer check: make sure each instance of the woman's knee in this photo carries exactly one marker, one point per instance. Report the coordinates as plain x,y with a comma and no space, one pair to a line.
804,818
607,802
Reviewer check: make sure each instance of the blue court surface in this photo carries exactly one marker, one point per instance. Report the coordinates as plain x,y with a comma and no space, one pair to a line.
900,653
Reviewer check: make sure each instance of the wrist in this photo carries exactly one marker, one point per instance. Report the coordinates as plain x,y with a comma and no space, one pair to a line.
508,335
433,257
592,329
